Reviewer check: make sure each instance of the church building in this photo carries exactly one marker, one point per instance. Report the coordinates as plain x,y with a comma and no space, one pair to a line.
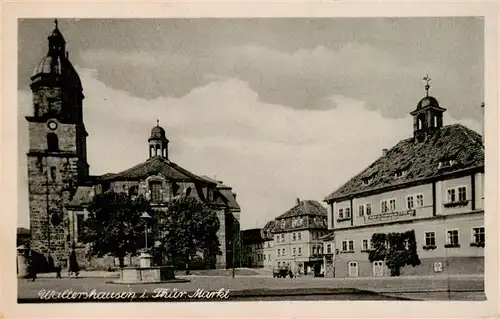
60,187
431,183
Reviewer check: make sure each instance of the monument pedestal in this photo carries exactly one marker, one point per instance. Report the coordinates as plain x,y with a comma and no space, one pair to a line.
146,273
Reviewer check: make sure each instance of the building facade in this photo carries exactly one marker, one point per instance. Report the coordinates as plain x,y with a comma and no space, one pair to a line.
60,187
296,238
431,183
253,248
268,250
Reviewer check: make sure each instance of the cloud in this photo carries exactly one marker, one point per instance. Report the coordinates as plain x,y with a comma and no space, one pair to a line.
303,79
269,153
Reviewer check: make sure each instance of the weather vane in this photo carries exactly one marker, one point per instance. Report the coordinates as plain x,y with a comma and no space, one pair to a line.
427,79
55,22
157,122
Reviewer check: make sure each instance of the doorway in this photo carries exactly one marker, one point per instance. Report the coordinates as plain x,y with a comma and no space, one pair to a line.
378,268
353,268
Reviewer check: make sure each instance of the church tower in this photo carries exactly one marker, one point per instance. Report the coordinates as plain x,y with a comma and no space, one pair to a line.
428,116
158,142
57,157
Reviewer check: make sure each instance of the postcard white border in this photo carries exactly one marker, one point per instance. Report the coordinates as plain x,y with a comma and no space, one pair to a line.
284,309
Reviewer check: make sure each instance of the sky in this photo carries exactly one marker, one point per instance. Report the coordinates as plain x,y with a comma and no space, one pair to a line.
277,108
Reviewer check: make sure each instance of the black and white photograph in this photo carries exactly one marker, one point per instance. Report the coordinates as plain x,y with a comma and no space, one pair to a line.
233,159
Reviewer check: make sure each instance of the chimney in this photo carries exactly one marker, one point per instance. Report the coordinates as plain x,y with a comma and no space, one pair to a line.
384,152
298,201
235,194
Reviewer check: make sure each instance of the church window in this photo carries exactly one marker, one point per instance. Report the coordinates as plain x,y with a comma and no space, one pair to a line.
79,225
132,191
435,121
155,188
52,142
39,163
188,191
53,173
105,187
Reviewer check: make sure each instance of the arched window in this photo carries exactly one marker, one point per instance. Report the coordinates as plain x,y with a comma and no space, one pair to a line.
420,121
133,191
435,121
158,150
52,142
155,188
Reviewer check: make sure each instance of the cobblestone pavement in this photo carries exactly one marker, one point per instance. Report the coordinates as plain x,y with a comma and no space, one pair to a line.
463,288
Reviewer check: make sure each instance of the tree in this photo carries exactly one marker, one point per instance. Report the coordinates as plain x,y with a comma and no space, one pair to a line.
187,226
397,249
114,225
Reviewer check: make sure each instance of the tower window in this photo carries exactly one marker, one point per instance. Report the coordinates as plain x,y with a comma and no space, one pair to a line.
53,173
39,164
52,142
420,121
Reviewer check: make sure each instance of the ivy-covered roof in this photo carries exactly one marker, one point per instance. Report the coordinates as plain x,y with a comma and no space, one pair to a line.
82,196
251,236
155,165
305,208
446,150
266,231
227,197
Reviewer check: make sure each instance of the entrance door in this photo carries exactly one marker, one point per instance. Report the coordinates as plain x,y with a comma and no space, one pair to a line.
353,269
378,268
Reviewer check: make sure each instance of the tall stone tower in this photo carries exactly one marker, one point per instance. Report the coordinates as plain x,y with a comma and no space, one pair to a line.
57,157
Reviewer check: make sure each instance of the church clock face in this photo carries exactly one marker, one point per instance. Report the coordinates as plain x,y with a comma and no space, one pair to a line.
52,125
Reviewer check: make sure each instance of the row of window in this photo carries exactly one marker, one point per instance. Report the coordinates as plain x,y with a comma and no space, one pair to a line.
452,240
315,235
297,251
455,194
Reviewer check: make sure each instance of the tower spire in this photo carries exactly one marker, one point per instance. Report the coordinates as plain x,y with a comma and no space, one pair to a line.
427,79
157,122
55,23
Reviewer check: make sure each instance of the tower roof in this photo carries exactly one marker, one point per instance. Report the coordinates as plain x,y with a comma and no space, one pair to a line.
56,65
428,101
157,132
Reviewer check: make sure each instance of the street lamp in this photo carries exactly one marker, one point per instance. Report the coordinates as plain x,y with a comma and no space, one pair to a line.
146,217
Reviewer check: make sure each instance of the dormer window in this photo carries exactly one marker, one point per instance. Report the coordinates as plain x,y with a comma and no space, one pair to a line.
367,181
283,224
399,173
446,163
